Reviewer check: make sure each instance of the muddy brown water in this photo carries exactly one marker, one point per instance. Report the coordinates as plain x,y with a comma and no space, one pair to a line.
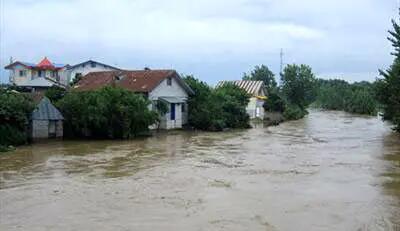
329,171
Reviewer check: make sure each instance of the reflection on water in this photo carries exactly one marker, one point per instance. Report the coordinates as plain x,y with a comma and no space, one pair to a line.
329,171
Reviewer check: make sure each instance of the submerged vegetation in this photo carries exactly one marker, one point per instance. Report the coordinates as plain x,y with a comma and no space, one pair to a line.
110,112
340,95
217,109
14,118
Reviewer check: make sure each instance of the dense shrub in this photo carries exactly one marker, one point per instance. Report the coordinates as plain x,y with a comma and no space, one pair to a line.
55,93
15,109
293,112
274,103
110,112
217,109
340,95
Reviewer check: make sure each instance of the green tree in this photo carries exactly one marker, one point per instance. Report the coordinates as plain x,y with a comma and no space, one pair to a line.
262,73
15,109
110,112
55,93
216,109
388,87
299,85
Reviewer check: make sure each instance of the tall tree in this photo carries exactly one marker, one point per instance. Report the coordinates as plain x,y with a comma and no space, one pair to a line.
262,73
388,88
299,85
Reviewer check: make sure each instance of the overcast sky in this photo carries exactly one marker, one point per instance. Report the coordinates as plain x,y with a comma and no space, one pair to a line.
212,39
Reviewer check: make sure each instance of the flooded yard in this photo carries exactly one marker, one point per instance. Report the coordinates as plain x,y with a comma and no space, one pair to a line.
329,171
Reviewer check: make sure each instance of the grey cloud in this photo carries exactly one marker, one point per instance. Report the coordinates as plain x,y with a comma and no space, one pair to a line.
213,39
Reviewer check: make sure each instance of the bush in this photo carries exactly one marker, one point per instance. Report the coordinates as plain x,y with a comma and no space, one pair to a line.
274,103
15,109
217,109
55,93
340,95
294,112
113,113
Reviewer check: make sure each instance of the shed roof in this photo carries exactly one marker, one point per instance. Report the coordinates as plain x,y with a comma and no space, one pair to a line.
251,87
138,80
172,99
45,110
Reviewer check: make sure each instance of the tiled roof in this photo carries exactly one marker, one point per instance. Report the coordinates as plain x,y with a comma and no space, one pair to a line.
251,87
137,81
45,110
45,63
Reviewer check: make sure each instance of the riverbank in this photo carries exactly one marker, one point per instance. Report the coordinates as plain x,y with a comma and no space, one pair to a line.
328,171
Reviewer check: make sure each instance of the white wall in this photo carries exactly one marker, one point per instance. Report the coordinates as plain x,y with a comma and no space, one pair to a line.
14,75
85,69
163,90
251,108
32,74
174,90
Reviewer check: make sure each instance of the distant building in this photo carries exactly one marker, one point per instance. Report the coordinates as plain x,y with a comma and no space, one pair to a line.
85,68
256,89
46,120
37,76
156,85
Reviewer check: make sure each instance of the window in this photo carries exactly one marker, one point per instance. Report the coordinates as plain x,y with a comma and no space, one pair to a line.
183,107
93,64
40,73
169,81
22,73
172,111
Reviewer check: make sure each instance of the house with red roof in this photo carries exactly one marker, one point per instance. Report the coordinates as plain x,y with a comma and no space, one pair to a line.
38,76
156,85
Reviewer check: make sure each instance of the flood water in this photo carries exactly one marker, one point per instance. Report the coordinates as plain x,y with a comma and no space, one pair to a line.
329,171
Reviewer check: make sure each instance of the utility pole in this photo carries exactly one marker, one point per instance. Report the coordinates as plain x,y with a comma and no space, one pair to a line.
281,55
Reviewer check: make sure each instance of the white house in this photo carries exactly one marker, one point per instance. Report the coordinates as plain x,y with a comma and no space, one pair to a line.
37,76
256,89
84,68
158,85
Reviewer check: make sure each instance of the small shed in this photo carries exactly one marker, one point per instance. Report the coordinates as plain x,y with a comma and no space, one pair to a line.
256,89
46,120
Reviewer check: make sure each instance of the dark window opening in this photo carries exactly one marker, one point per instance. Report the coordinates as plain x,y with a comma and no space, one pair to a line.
93,64
22,73
169,81
172,111
78,76
40,73
183,107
